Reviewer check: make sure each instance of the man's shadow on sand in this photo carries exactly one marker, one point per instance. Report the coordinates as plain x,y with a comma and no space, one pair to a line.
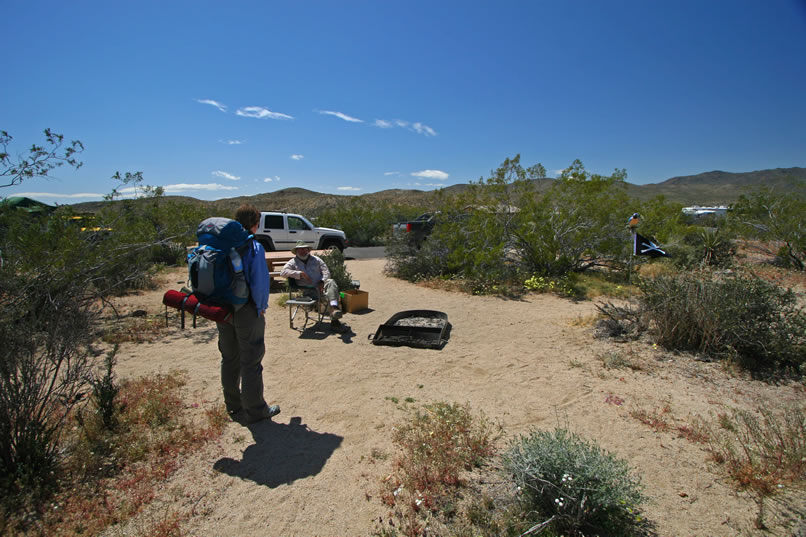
281,453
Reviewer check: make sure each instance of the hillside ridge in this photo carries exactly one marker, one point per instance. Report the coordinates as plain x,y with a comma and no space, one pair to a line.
708,188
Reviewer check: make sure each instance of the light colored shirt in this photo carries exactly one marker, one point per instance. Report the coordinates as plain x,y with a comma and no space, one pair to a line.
314,267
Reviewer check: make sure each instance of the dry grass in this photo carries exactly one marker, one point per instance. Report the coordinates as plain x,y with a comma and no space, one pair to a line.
437,444
763,452
111,475
135,330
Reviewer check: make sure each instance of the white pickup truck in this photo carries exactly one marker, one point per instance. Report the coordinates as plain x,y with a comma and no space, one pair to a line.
281,231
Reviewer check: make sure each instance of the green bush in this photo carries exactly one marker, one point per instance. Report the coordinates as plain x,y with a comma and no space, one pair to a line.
334,260
704,247
740,317
56,275
364,223
580,488
517,226
412,262
777,220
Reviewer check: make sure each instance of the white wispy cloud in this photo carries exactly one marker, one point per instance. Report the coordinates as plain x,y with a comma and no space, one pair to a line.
261,113
270,179
350,188
428,184
340,115
419,128
211,102
297,157
225,175
391,173
56,195
231,142
431,174
189,187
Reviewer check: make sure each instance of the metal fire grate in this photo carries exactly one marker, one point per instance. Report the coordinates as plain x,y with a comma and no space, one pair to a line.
425,329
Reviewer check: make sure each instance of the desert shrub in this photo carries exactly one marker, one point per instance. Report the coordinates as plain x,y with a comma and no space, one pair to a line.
595,283
517,225
704,247
437,444
414,262
334,260
160,227
576,486
776,219
763,453
55,276
112,468
364,223
569,225
740,317
540,284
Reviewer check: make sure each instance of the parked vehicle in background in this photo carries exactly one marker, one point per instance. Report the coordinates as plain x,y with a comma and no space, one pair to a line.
417,229
280,231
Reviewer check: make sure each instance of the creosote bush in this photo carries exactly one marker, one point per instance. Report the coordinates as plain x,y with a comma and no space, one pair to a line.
574,486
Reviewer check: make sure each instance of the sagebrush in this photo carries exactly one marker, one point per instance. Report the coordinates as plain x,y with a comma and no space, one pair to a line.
574,486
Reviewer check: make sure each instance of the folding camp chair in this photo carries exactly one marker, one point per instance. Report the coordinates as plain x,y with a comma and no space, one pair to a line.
300,300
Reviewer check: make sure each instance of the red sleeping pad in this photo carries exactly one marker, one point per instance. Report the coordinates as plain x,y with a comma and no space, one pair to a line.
184,302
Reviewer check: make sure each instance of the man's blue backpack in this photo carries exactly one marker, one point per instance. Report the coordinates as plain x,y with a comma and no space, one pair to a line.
215,267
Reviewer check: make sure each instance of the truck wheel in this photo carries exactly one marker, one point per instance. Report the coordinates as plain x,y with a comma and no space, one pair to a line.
267,244
333,245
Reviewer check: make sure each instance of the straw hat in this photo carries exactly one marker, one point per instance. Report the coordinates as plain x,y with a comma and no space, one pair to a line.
300,244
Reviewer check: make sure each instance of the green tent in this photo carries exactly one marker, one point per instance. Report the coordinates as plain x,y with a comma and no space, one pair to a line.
27,204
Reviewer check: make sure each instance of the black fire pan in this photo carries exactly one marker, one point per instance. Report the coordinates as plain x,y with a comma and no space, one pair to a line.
402,330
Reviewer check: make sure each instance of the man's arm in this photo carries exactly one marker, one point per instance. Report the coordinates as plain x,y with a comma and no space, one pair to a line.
258,276
290,270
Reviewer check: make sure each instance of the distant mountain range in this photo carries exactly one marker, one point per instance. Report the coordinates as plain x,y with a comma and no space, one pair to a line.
706,189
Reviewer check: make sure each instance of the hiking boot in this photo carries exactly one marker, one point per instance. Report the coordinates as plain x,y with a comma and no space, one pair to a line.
237,415
336,315
268,413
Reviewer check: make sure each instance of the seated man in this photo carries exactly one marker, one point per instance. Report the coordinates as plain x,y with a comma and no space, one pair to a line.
311,272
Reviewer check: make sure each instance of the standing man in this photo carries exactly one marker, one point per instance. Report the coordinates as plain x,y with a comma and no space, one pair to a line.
311,272
241,342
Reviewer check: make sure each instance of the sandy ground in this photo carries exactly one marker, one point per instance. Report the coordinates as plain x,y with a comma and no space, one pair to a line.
525,363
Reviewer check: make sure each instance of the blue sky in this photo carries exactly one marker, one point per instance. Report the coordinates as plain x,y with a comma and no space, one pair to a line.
216,100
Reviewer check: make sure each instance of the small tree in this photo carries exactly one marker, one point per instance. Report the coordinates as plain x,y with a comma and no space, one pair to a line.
41,159
778,221
54,279
524,224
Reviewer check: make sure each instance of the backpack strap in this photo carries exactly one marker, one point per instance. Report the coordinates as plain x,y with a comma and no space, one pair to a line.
182,309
